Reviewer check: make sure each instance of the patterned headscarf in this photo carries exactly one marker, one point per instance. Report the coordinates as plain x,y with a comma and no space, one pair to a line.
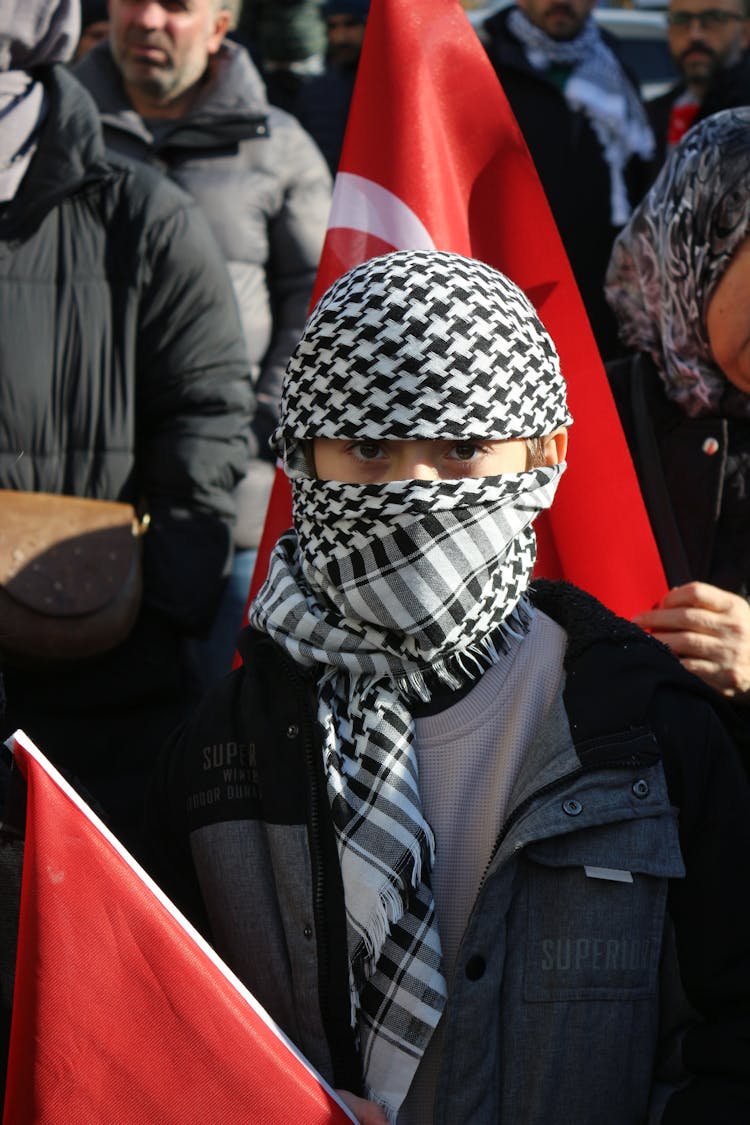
599,88
393,588
668,261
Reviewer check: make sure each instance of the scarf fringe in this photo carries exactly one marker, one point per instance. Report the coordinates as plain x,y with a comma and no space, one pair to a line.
388,1110
390,908
460,668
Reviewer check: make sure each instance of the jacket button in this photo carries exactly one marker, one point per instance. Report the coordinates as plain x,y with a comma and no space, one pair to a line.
308,931
640,788
292,730
475,967
572,807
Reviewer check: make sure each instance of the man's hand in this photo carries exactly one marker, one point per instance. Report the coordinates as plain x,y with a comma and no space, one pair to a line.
367,1113
708,629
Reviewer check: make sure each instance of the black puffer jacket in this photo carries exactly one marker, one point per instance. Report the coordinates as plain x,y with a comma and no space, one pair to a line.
123,375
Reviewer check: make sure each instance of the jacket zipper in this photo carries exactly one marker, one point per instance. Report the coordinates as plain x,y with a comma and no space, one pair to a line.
301,690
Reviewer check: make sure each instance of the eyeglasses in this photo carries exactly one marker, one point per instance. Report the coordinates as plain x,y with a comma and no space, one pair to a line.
708,20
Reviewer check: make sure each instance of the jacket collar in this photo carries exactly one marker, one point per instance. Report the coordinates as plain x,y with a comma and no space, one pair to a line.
603,706
232,105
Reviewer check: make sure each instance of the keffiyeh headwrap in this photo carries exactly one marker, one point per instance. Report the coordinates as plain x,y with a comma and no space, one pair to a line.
32,33
598,87
668,261
393,588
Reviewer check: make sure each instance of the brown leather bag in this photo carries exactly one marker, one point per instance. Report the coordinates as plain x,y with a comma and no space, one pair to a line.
70,575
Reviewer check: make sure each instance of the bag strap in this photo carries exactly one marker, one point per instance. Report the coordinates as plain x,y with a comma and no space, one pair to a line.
653,485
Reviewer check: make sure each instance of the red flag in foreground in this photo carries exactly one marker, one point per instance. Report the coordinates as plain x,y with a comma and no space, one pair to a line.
121,1012
433,157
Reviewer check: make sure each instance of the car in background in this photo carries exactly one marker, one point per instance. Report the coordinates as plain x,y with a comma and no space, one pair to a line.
642,39
641,35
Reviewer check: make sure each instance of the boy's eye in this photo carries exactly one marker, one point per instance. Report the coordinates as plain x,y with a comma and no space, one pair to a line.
465,450
367,450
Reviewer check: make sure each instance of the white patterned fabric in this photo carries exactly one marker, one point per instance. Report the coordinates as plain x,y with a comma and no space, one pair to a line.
391,589
599,87
666,264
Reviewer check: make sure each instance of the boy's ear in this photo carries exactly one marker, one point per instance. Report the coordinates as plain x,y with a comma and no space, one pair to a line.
555,446
308,446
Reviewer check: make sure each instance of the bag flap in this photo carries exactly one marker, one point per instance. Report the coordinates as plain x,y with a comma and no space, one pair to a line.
65,555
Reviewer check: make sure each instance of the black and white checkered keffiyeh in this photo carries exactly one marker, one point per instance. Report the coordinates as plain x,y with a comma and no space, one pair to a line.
600,88
392,588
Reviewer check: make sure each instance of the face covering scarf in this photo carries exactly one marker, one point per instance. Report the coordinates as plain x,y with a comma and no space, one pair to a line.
391,589
387,588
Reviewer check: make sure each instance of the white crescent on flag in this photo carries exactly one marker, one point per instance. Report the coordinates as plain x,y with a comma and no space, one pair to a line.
362,205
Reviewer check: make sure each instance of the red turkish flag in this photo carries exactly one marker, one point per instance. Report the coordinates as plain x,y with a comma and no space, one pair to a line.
121,1011
433,157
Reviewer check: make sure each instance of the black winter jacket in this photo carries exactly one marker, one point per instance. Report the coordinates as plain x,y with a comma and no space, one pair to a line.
123,376
571,167
322,106
694,474
242,840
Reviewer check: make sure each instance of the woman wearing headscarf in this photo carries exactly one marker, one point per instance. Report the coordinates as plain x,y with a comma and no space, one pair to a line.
432,819
679,284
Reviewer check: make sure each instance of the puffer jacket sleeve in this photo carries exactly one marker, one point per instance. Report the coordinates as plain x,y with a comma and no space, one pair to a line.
194,409
296,235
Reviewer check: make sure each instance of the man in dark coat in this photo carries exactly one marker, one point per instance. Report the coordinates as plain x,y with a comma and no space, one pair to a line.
323,103
585,126
709,49
123,376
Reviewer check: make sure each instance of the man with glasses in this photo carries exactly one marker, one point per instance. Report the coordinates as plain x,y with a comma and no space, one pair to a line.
709,48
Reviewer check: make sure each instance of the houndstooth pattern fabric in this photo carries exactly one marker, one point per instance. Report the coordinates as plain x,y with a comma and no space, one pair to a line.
423,344
410,571
391,588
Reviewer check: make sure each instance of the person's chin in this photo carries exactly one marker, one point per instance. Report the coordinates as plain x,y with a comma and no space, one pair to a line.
345,60
698,68
562,27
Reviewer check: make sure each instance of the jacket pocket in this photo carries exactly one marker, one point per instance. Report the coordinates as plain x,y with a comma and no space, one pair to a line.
596,902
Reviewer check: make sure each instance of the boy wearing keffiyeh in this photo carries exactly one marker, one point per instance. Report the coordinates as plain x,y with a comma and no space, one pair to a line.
432,821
